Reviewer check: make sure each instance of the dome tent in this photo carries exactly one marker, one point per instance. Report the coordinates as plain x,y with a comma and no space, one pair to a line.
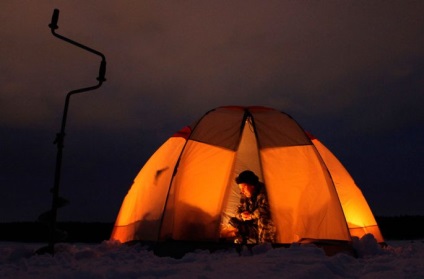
186,190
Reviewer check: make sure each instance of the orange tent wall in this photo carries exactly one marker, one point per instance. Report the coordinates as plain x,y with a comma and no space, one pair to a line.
303,200
140,215
302,196
198,192
358,214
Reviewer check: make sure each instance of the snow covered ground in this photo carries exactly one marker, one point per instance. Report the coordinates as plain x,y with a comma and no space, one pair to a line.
401,259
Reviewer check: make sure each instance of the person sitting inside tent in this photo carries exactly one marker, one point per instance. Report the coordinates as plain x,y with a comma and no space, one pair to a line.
253,218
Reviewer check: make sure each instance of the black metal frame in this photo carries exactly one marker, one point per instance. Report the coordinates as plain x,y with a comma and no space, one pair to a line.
60,137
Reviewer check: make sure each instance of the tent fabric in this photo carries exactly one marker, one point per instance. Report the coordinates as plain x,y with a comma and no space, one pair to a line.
186,190
358,214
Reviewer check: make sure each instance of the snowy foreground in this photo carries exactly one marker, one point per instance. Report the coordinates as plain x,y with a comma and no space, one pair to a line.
401,259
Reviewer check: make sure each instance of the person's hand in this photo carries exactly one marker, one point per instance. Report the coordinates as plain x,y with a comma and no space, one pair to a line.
246,216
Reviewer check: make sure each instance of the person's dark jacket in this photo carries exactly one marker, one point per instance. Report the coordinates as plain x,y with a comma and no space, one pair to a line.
262,227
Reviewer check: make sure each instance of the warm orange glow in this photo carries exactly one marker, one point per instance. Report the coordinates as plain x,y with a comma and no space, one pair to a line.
199,189
151,184
356,210
186,190
302,198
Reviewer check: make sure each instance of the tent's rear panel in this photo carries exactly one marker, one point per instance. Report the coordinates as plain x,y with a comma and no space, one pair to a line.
246,158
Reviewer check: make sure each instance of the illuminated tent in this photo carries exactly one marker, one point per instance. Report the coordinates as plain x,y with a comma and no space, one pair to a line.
186,190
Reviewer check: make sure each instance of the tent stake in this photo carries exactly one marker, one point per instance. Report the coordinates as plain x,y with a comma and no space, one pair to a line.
60,137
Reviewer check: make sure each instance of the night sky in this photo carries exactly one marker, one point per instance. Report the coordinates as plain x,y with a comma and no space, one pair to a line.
350,72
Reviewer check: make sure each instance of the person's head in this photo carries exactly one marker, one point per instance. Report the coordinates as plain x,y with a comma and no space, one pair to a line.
247,181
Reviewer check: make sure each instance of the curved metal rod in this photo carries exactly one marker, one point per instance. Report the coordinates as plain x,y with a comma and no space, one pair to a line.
53,26
58,201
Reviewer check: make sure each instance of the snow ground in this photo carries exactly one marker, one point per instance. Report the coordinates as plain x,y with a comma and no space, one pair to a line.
400,259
